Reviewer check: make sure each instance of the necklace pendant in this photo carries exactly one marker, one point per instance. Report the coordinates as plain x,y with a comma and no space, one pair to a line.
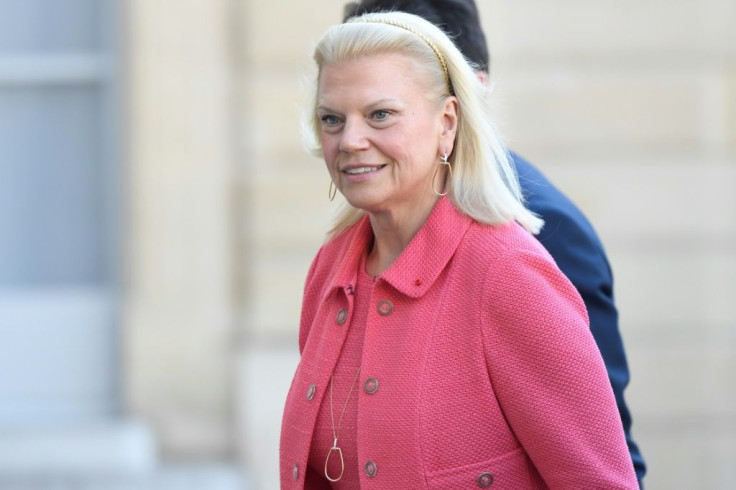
332,450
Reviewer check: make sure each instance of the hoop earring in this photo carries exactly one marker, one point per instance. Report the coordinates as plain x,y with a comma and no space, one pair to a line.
332,191
434,176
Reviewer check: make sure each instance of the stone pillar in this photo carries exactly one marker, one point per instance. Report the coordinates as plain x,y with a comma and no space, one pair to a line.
177,321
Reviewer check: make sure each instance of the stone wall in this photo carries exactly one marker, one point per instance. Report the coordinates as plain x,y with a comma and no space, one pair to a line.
629,107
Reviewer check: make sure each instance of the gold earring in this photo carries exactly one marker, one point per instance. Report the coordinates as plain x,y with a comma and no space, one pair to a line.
434,176
332,191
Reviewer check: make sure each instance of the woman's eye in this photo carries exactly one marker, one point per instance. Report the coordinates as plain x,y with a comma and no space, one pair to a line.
330,120
380,115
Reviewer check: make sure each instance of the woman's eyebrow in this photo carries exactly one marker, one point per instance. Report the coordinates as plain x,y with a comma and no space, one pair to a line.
324,108
371,105
389,100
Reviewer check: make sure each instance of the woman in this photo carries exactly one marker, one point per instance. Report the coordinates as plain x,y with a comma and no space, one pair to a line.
441,346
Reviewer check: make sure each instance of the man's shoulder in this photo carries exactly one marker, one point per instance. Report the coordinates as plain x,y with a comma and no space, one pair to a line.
539,192
560,213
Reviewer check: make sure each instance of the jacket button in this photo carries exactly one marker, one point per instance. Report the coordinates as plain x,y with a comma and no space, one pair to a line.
485,480
342,315
310,392
295,472
370,469
385,307
370,385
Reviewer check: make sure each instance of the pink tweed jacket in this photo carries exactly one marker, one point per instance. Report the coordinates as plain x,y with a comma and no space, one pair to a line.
478,368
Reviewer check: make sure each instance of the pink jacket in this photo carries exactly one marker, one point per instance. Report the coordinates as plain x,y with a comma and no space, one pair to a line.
487,374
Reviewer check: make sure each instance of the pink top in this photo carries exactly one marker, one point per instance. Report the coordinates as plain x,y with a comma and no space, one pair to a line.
344,374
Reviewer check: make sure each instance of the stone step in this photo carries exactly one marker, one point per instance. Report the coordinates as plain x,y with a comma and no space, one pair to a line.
168,477
106,448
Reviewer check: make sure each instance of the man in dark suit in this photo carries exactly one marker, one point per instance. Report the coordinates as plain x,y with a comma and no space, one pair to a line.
567,234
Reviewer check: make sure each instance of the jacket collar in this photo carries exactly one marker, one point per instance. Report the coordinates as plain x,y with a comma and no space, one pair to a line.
420,264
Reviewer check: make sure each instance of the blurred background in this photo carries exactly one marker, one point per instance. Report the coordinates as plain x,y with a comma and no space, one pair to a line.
158,214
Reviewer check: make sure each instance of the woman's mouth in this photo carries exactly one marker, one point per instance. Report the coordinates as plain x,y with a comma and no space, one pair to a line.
363,170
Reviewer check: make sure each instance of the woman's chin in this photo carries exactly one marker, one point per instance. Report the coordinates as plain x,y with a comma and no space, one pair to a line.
366,203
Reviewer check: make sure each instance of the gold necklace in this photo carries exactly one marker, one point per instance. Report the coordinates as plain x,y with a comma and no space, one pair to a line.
336,433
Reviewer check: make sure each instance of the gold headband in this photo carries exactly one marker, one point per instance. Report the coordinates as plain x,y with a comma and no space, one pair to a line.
409,28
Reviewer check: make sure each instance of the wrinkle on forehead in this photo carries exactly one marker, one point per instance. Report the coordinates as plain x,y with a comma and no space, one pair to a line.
369,61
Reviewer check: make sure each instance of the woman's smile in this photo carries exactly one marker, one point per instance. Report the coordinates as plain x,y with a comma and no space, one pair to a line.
361,172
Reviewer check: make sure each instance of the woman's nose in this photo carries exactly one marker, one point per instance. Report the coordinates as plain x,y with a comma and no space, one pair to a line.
354,136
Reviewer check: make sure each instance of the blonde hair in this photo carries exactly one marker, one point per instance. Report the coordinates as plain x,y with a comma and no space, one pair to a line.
484,182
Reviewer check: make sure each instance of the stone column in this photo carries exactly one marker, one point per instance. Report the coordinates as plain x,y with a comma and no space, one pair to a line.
177,321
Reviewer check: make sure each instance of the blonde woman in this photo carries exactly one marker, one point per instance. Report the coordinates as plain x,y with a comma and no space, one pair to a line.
441,346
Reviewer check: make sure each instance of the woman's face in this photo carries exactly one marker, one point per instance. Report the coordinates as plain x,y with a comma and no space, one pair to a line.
382,132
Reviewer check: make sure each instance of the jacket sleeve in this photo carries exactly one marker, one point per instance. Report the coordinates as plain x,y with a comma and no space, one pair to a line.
580,256
574,245
549,377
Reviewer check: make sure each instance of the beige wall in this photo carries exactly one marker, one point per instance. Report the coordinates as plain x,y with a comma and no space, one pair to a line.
629,106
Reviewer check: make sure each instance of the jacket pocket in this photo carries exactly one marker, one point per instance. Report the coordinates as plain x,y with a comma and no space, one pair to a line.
509,471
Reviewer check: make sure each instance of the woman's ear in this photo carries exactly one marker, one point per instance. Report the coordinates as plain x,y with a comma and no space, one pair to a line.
449,114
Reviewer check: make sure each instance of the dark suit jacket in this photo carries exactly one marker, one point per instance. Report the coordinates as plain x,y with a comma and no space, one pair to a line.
575,246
